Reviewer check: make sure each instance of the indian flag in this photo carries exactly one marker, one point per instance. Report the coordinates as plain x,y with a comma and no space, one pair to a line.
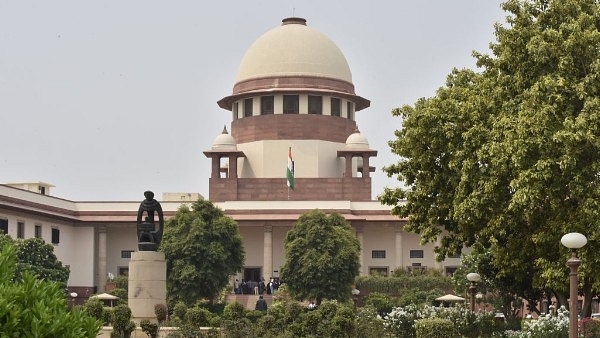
290,170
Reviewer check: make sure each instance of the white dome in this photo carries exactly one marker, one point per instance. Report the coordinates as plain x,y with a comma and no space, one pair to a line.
357,141
224,141
294,49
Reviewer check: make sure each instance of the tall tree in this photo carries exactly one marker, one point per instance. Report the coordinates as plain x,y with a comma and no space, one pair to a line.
203,248
322,258
509,158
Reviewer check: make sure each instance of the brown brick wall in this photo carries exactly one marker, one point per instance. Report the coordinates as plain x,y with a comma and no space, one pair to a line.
275,189
292,127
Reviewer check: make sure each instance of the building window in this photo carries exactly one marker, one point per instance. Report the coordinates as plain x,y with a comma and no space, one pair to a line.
4,225
335,106
38,231
456,255
21,230
126,253
42,190
315,104
350,110
55,236
235,110
378,254
378,271
267,105
248,107
450,270
123,271
416,253
291,104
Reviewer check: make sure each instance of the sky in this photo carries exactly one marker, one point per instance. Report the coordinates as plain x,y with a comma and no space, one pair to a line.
107,99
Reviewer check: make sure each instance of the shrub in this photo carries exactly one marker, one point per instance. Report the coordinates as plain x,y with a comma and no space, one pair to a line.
254,315
197,317
30,307
400,322
267,327
435,328
381,302
107,315
151,329
590,328
233,310
548,326
122,324
160,310
236,328
368,324
122,282
95,308
179,310
397,285
122,294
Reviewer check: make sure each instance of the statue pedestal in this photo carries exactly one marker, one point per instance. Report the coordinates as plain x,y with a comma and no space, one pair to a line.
147,284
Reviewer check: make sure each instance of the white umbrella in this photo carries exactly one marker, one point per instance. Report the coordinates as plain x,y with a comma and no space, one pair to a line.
106,296
450,298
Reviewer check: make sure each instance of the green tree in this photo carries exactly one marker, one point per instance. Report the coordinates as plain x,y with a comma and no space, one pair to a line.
32,307
507,159
322,258
203,248
37,257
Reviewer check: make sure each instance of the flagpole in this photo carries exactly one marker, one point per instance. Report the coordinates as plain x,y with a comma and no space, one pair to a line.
290,173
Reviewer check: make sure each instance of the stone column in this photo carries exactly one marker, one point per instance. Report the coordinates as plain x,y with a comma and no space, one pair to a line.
398,249
267,252
348,172
216,166
102,273
147,284
233,166
365,168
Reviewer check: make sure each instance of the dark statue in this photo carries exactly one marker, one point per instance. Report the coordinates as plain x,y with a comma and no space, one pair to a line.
148,236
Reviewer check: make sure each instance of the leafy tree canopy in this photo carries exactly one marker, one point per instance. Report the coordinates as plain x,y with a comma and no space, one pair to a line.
37,257
322,257
203,248
508,159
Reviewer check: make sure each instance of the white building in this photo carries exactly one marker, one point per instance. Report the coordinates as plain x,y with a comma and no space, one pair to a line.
293,93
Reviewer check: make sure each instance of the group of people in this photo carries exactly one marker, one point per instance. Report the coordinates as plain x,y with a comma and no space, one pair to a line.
255,287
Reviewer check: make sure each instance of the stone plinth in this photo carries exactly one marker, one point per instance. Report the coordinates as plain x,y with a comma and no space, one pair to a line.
147,284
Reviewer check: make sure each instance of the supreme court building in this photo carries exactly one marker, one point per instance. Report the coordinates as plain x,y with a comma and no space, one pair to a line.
293,94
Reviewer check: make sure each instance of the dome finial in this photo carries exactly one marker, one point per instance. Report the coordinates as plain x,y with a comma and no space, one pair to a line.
224,129
293,20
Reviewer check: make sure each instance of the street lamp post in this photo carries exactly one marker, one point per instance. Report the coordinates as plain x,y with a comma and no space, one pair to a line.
473,278
73,296
573,241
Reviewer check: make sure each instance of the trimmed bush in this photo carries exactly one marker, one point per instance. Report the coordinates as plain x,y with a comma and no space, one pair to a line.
179,310
435,328
122,324
381,302
160,310
150,329
198,317
233,310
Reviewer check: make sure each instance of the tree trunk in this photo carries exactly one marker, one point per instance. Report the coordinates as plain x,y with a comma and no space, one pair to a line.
586,311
